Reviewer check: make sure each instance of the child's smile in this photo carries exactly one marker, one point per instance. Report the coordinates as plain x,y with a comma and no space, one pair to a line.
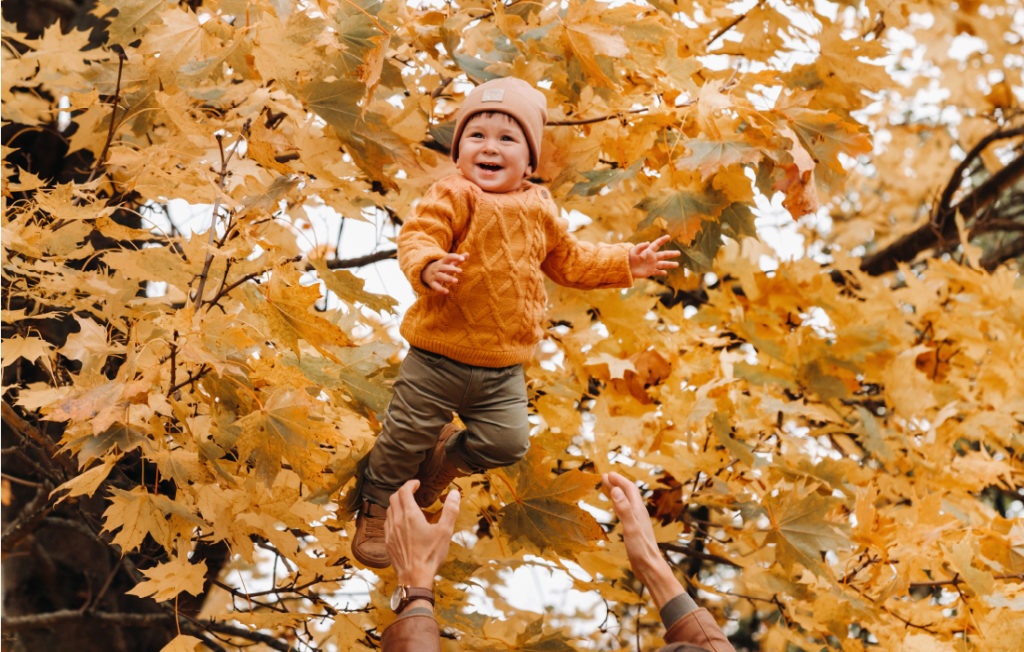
493,152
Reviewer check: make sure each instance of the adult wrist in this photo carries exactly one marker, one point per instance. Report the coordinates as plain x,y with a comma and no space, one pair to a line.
405,596
421,578
660,582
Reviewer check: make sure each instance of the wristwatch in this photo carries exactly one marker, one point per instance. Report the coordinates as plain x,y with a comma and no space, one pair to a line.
403,595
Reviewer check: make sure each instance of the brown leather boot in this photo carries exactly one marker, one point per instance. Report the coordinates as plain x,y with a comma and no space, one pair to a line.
437,471
368,544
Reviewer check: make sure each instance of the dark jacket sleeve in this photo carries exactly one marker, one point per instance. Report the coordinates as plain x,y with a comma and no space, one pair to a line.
414,631
699,628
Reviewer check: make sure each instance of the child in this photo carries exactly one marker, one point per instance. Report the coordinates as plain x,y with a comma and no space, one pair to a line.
475,250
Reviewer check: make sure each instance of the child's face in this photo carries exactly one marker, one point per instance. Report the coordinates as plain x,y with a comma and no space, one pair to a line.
493,152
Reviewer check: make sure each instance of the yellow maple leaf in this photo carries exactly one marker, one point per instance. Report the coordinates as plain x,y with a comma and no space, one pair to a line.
182,643
586,38
166,580
135,514
290,427
288,311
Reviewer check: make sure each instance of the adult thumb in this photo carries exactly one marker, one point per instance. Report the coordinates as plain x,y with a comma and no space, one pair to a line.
619,500
450,510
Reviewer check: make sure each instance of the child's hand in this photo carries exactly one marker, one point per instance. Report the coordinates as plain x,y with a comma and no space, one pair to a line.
440,273
646,260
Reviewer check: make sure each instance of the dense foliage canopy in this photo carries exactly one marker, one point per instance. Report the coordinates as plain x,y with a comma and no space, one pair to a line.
831,440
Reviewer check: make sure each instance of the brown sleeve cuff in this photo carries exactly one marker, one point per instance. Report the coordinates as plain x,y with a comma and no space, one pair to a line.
699,628
416,630
676,608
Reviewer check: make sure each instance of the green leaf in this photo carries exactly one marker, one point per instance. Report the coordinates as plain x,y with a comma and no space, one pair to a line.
349,288
475,68
598,180
707,156
800,531
723,430
683,212
133,18
544,513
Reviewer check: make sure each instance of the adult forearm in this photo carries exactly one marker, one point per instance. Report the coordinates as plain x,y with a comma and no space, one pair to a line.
657,576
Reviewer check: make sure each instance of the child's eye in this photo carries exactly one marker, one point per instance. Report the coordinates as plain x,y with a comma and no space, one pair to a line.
508,138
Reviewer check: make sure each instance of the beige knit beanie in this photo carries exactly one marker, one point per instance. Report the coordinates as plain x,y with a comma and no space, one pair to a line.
512,96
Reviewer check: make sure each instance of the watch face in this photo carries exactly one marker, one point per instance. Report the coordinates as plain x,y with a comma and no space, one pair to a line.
397,597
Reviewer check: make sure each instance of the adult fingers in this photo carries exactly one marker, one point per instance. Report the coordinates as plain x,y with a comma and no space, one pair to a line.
450,511
619,502
403,498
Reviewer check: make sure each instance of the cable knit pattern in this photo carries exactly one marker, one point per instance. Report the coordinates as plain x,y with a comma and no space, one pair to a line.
494,316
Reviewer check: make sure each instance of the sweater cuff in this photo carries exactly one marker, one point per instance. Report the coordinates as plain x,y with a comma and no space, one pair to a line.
676,608
415,273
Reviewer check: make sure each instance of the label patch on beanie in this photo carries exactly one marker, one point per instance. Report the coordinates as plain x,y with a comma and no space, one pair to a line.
492,95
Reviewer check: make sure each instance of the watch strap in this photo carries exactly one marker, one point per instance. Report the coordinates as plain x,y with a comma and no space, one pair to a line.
414,593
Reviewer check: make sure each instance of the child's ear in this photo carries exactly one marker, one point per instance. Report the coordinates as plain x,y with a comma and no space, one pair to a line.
529,171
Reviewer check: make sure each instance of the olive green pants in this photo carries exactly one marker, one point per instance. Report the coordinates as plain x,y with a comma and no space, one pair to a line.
431,388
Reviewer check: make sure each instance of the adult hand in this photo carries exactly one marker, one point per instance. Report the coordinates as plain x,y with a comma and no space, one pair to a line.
445,271
646,260
418,548
641,546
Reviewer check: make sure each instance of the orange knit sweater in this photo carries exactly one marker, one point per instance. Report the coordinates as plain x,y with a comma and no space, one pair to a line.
494,316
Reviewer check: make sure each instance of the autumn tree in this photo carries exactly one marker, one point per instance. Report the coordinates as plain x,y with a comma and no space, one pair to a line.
830,440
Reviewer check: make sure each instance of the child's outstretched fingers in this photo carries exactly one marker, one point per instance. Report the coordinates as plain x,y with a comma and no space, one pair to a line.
646,260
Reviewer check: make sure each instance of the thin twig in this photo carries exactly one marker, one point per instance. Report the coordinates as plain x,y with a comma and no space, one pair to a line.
191,379
121,58
956,580
17,480
734,23
590,121
222,175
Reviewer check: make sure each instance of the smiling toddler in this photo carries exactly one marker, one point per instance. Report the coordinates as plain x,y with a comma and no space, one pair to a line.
476,250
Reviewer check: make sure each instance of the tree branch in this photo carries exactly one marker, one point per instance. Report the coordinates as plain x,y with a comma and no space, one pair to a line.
942,225
698,555
27,430
957,176
27,519
157,619
1008,251
346,263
